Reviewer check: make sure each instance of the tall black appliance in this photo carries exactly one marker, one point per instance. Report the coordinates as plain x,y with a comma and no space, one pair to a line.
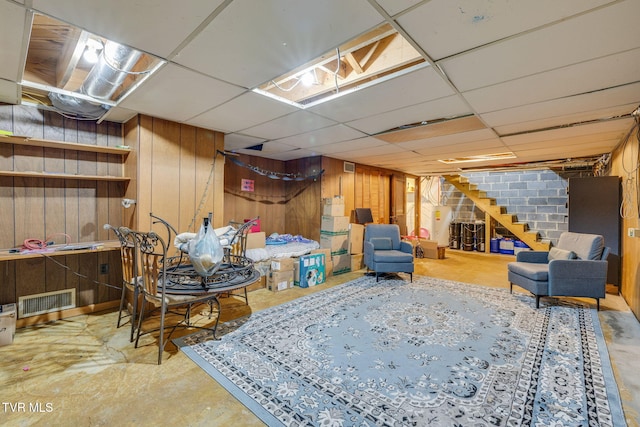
594,207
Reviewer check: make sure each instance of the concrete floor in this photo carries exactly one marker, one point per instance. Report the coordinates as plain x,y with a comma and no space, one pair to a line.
82,371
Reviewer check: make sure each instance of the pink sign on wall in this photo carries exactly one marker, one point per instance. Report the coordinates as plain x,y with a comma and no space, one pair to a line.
246,185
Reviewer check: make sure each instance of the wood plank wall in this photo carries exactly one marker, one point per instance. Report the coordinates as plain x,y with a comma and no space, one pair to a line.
625,158
303,209
175,175
267,200
38,207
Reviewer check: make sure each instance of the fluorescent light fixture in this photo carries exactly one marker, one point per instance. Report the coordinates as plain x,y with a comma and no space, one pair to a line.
479,158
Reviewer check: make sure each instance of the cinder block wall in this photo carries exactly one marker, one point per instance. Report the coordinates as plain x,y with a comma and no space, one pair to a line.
537,197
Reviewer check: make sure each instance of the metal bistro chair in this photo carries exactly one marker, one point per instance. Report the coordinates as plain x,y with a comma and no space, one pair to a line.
156,290
131,280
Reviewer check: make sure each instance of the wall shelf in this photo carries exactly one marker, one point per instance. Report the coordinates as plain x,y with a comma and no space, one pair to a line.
48,175
36,142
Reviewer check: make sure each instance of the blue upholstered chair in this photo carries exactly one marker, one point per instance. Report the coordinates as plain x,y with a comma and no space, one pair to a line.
384,252
575,267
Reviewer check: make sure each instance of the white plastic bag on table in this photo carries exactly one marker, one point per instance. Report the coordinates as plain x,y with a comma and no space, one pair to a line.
205,250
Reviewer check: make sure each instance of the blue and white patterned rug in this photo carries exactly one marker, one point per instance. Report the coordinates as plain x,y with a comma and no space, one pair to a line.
431,352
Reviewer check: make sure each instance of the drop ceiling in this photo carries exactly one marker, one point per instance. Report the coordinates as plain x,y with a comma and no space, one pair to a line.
544,80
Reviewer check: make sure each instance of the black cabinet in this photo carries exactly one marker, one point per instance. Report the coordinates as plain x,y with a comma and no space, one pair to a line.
594,207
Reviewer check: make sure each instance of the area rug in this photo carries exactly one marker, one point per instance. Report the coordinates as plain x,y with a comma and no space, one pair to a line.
427,353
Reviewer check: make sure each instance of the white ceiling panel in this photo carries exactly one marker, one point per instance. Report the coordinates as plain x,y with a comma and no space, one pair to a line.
292,124
12,34
291,155
451,106
245,111
10,92
588,106
352,145
475,148
609,30
235,141
147,25
179,93
393,7
449,140
252,42
443,28
566,137
610,71
564,120
119,114
329,135
410,89
559,152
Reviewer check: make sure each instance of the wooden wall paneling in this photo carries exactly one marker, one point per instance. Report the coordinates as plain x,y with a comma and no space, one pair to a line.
87,211
28,121
55,276
188,200
303,209
8,282
218,178
204,161
30,274
165,174
145,183
103,291
131,136
29,209
87,291
7,196
115,275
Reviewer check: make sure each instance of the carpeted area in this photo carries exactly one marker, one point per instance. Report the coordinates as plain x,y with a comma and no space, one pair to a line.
431,352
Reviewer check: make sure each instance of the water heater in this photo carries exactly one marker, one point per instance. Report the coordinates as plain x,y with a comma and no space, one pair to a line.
436,219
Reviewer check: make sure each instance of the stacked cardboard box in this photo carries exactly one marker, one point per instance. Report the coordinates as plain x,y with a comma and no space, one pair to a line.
334,234
309,270
356,246
281,274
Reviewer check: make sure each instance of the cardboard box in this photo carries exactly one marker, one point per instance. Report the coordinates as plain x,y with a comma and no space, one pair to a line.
336,243
333,206
334,224
282,264
341,263
311,270
429,248
256,240
8,316
280,280
357,262
356,238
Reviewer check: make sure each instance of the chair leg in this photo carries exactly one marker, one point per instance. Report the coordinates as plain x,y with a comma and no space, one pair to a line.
122,298
598,303
510,287
411,277
139,329
136,294
377,276
537,301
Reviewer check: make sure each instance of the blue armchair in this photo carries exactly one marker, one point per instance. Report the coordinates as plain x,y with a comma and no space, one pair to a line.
384,252
576,266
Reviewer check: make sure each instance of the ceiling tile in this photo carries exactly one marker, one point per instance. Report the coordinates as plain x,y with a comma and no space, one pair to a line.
292,124
572,109
608,30
245,111
251,42
449,140
393,7
451,106
598,74
10,92
443,28
177,93
165,24
474,148
119,114
234,141
409,89
359,144
12,33
329,135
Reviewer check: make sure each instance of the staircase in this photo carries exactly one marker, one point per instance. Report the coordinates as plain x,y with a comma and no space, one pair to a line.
488,205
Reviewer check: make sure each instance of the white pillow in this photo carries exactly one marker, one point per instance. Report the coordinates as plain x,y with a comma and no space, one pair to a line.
557,253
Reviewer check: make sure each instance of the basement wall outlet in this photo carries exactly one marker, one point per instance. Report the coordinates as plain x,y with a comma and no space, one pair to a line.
633,232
